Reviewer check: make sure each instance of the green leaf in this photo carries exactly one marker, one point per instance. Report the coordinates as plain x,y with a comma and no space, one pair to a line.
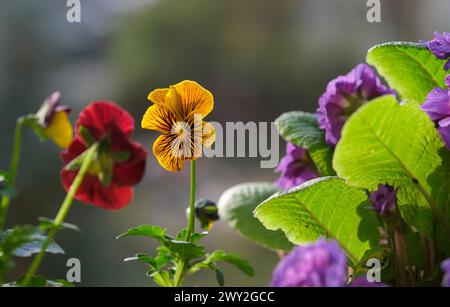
195,237
120,156
185,250
156,232
397,144
143,258
233,259
34,246
409,68
323,207
157,262
24,241
162,278
302,129
86,135
46,224
236,206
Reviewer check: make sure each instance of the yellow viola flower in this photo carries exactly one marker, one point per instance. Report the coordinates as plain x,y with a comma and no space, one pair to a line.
53,118
177,112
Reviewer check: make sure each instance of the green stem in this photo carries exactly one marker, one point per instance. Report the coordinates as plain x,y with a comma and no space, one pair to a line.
12,173
62,213
178,278
191,220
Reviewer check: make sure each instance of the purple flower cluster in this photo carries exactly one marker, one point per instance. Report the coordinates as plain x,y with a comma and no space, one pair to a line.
384,200
344,95
440,47
437,106
322,264
295,167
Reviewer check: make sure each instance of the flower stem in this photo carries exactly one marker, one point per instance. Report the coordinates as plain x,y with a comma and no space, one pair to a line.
191,220
12,173
408,259
400,267
178,278
62,213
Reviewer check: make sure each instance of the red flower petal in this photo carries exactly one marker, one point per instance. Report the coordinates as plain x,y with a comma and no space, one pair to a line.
102,116
75,149
131,171
91,191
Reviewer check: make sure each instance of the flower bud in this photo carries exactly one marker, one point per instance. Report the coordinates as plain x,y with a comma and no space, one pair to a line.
206,212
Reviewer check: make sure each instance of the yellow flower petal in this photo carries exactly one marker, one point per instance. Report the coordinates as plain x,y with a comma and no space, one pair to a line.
158,96
158,118
164,153
208,135
189,97
60,129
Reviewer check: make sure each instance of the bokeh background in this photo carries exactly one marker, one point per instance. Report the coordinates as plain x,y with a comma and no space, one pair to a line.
260,58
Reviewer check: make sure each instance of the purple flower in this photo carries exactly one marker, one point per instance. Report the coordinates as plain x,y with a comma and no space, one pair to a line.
322,264
344,95
437,106
440,47
295,167
384,200
445,266
362,282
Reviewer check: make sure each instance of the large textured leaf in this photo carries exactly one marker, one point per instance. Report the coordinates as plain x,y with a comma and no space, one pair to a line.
388,142
323,207
302,129
411,69
236,206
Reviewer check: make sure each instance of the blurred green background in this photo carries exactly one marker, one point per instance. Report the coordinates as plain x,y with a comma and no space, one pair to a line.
259,58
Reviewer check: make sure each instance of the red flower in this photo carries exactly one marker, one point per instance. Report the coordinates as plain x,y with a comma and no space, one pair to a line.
120,163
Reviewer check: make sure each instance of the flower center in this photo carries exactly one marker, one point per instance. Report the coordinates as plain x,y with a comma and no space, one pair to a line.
181,129
354,102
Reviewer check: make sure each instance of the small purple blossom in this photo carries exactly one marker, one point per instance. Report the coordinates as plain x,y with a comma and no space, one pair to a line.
344,95
49,108
437,106
440,47
295,167
322,264
445,266
384,200
362,282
